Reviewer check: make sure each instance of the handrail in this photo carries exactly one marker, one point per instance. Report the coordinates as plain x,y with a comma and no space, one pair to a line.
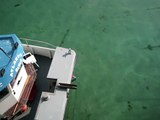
37,41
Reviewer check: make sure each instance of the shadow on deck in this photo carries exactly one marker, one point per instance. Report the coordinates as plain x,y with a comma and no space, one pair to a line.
41,85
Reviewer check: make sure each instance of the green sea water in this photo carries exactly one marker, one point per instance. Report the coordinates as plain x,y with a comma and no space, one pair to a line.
118,51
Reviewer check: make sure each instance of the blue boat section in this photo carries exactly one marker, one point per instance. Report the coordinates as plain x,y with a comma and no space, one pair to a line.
10,58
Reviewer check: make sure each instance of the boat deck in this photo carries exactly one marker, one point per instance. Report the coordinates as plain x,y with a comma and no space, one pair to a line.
118,63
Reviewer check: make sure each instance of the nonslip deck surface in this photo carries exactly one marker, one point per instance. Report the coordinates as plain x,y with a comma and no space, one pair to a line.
117,44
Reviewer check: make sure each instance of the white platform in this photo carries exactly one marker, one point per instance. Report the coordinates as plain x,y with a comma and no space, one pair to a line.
61,69
54,108
62,65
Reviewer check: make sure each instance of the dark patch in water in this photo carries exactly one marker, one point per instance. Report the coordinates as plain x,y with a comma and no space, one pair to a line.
64,37
104,30
147,87
130,107
80,6
150,47
127,13
122,112
102,17
17,5
88,116
144,107
154,8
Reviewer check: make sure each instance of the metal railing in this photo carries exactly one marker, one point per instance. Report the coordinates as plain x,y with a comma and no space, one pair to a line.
38,47
29,41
